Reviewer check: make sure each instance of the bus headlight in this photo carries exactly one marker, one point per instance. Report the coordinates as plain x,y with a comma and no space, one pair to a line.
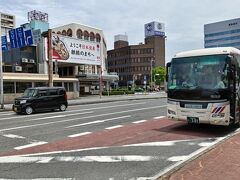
171,112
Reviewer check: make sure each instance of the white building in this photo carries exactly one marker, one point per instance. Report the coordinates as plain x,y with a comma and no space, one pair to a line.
222,34
7,23
88,74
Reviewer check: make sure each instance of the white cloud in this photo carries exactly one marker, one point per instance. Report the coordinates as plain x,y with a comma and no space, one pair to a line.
184,19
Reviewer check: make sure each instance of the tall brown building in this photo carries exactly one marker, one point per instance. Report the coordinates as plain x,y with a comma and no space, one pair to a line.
134,62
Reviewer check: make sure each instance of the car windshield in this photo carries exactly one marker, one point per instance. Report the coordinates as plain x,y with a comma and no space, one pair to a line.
30,93
205,72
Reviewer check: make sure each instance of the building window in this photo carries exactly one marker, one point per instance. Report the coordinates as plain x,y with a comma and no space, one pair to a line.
22,86
40,84
92,36
57,84
69,32
58,32
79,34
64,33
86,35
8,87
98,37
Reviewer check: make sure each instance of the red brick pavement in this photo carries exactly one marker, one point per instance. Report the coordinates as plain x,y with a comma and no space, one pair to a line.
220,163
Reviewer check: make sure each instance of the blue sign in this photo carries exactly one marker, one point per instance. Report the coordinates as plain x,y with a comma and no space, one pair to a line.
145,77
13,38
29,37
4,43
20,37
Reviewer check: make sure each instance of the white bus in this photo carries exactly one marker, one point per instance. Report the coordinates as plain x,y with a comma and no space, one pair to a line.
203,86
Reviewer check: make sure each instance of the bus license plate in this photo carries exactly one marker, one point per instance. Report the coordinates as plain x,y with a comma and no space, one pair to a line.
193,120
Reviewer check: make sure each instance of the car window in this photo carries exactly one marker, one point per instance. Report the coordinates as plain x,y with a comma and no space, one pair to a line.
53,92
61,92
42,93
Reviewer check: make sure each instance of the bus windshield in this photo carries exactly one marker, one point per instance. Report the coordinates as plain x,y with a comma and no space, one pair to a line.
199,72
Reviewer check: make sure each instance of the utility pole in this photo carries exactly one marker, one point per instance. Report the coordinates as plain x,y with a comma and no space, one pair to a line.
50,63
151,74
1,71
100,82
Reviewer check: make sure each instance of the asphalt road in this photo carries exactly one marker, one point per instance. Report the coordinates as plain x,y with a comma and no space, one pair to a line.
109,141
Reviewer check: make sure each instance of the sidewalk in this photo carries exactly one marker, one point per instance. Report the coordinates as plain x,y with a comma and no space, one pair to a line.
96,99
220,163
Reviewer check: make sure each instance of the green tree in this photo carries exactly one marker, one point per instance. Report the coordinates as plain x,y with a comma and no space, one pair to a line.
158,75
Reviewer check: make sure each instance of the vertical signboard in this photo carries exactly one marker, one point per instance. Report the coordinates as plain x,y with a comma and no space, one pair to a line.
28,37
4,43
13,38
20,37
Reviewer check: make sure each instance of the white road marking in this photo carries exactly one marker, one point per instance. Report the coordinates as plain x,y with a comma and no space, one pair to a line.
127,158
13,136
140,121
97,148
30,145
77,119
177,158
159,117
44,179
114,127
80,134
79,110
60,116
97,121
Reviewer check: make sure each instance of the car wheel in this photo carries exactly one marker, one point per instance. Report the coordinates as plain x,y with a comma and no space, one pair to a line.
28,110
62,107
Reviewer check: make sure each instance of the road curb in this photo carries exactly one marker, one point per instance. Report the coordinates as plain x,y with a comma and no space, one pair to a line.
167,172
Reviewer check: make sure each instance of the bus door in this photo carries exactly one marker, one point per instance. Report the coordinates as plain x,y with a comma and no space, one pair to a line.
234,99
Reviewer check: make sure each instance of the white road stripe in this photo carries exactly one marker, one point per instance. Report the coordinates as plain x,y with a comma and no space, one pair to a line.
127,158
97,121
13,136
80,134
114,127
60,116
79,110
140,121
30,145
43,179
159,117
77,119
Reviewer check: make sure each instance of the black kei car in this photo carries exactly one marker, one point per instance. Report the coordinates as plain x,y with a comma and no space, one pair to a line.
41,99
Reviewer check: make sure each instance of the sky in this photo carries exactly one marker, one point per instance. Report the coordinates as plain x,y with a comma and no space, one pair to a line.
184,19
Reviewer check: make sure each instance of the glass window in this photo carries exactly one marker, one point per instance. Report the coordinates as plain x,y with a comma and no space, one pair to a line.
206,72
57,84
42,93
21,86
40,84
8,87
70,87
53,92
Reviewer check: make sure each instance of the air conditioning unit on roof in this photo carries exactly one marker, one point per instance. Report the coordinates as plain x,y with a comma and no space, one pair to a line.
32,61
24,60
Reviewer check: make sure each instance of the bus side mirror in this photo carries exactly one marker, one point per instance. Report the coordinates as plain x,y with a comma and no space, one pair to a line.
167,71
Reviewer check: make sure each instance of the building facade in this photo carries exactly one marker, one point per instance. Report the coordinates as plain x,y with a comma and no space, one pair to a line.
134,63
88,75
7,23
222,34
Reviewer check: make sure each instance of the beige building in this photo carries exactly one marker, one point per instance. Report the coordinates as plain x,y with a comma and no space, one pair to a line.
87,74
7,23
